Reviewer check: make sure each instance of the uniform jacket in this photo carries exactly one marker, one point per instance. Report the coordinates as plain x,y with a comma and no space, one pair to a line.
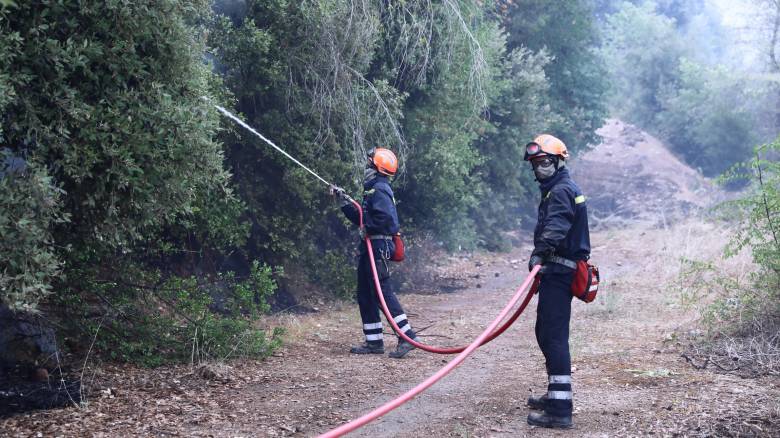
562,224
379,213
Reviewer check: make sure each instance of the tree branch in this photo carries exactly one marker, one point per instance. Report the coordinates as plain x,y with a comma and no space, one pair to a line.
763,195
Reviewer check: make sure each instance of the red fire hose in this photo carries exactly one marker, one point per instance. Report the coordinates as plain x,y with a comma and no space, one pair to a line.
389,316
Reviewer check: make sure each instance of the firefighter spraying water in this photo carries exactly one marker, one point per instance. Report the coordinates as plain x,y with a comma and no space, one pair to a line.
381,226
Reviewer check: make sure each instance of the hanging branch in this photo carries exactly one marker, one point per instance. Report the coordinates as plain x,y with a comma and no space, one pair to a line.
479,67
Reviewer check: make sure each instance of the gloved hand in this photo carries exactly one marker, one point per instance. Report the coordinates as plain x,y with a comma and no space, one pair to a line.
535,260
336,191
339,194
362,232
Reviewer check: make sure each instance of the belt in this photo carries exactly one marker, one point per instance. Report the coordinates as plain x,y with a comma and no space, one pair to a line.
380,237
562,261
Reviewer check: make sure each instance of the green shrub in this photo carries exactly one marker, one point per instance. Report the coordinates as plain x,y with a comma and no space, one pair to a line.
335,272
568,35
30,205
183,318
744,322
758,216
759,210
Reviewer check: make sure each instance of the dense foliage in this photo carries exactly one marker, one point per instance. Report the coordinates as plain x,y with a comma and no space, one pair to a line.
132,213
124,181
577,74
28,210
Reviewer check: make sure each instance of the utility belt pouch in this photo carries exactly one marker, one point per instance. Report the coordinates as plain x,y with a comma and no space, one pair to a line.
400,253
585,284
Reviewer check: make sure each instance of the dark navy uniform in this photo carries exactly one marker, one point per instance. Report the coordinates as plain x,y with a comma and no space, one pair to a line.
381,221
561,236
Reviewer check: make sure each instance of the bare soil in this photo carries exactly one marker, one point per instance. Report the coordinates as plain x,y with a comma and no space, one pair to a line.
632,176
629,375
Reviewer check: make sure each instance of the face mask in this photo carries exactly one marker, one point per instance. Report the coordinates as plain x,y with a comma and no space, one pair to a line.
544,171
369,174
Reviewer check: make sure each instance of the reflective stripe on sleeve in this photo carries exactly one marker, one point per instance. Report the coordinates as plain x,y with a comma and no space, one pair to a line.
560,379
579,199
559,395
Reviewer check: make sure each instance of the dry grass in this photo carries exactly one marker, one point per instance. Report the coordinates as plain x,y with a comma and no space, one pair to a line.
300,328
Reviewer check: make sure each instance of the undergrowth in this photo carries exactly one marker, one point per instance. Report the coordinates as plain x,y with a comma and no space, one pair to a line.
154,320
743,324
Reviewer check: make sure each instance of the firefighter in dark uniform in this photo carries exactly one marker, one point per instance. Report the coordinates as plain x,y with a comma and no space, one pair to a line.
561,238
380,223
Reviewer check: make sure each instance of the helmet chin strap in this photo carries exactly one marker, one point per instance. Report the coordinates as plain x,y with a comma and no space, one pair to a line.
369,173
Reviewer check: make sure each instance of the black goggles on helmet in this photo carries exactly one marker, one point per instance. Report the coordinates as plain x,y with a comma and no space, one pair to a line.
532,150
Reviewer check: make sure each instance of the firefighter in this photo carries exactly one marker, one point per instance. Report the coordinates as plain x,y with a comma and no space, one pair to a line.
380,221
561,238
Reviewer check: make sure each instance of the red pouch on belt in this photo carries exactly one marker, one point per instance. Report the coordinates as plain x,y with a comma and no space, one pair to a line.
399,253
585,285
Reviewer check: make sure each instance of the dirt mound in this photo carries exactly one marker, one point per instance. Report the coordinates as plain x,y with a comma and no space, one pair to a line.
632,176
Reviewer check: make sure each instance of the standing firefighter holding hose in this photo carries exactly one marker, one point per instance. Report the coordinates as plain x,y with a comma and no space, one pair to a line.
380,221
561,239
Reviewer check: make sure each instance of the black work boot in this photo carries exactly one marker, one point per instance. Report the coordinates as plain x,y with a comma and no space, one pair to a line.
401,350
543,419
368,348
537,402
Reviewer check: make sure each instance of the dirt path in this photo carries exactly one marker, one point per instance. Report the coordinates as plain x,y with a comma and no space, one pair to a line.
629,377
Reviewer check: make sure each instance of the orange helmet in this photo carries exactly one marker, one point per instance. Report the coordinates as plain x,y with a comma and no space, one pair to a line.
384,161
545,144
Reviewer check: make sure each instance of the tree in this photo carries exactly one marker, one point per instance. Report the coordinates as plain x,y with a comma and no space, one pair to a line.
643,51
510,190
569,35
770,16
669,84
706,119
